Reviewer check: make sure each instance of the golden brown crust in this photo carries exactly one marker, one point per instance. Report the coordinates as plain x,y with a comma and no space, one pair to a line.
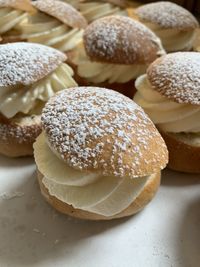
177,77
139,203
17,135
24,5
182,156
120,40
62,11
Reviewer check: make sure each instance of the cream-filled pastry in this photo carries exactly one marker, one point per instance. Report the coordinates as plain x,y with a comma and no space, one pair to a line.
56,24
170,95
99,156
93,10
12,13
113,54
174,25
30,74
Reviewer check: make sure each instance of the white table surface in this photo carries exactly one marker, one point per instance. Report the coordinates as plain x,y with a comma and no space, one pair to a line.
166,233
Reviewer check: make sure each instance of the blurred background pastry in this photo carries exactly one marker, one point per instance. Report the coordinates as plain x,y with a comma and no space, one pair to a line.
56,24
97,144
93,10
30,74
175,25
170,95
113,53
12,13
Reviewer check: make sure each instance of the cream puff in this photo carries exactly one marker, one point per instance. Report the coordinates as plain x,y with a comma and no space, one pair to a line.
99,156
93,10
170,95
113,53
174,25
30,74
56,24
12,13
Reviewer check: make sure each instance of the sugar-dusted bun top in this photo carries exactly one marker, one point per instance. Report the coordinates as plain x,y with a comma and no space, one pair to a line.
177,76
24,5
62,11
100,129
119,39
167,15
26,63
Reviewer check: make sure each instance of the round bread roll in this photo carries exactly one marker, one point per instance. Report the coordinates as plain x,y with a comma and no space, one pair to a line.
29,76
113,54
177,77
99,141
120,40
169,94
175,25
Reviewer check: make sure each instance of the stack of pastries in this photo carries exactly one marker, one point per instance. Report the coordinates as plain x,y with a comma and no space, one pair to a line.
89,89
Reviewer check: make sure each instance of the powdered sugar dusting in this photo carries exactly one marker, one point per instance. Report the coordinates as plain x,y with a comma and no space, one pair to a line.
120,39
62,11
26,63
177,76
97,128
167,15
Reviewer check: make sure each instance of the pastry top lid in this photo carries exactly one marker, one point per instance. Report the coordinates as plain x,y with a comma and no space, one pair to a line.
167,15
26,63
62,11
120,40
177,76
24,5
97,129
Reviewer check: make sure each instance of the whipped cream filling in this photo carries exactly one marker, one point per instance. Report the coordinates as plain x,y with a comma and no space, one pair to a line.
90,191
169,116
95,10
96,72
173,39
15,99
44,29
10,18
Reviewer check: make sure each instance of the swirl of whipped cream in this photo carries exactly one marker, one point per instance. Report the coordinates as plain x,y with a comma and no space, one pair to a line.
10,18
44,29
169,116
96,72
25,98
173,39
90,191
95,10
